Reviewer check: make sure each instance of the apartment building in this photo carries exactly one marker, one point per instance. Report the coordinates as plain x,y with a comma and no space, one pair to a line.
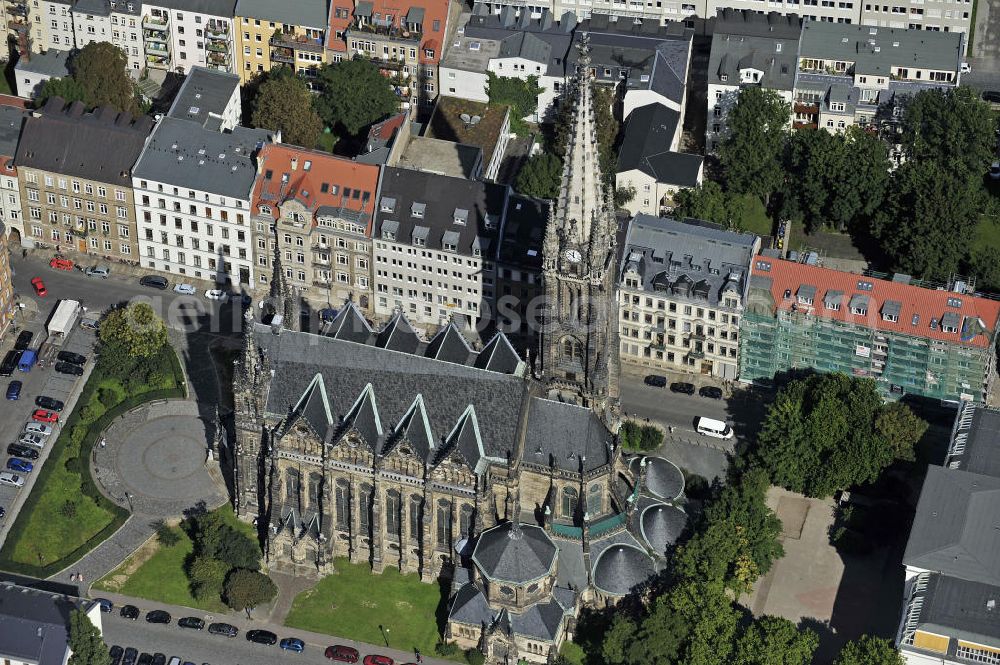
182,34
912,338
952,558
682,290
114,21
12,115
316,211
37,624
272,33
57,19
434,245
508,45
406,40
210,98
74,173
748,48
939,16
846,72
7,304
30,74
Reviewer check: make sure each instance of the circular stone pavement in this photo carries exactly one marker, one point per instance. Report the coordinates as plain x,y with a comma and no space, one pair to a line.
157,455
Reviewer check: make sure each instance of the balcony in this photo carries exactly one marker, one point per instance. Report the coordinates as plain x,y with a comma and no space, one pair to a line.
696,355
155,22
286,55
217,47
157,48
217,31
291,41
806,108
218,59
158,62
154,36
390,31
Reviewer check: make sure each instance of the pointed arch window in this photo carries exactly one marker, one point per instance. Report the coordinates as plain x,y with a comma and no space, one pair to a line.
443,524
366,507
416,510
293,482
570,500
595,499
343,504
392,512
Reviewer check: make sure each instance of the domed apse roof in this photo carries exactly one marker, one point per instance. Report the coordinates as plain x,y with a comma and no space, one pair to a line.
516,553
661,525
620,568
663,479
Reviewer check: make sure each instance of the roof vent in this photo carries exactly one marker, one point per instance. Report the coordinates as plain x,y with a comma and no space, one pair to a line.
194,110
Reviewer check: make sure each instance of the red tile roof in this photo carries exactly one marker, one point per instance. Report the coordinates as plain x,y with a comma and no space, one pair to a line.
307,182
386,129
339,25
919,307
435,13
16,102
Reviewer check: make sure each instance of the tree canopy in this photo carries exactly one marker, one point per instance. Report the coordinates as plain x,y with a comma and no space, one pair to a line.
134,330
869,650
831,431
285,103
709,202
85,641
353,95
751,151
520,94
101,69
215,538
540,176
246,589
66,87
775,641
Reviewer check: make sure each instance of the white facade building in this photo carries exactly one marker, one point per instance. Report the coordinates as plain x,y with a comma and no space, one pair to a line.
57,28
114,21
189,33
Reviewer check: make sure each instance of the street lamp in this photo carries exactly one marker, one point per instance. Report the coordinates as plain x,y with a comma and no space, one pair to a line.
385,635
128,497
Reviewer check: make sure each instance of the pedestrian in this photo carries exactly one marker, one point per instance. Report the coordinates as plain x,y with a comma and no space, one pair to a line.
104,442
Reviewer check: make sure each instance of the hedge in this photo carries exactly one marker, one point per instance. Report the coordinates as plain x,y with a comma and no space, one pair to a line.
87,485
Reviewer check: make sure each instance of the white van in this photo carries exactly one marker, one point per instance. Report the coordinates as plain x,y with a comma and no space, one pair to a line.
714,428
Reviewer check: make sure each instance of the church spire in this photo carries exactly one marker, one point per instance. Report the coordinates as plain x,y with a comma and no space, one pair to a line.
282,298
580,204
248,367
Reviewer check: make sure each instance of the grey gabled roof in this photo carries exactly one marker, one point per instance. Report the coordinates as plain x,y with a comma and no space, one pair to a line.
307,13
979,436
541,621
100,146
620,568
415,427
645,146
203,96
189,156
469,606
743,34
954,531
499,356
398,335
364,418
565,436
51,63
34,624
875,51
11,121
350,325
516,555
961,609
449,345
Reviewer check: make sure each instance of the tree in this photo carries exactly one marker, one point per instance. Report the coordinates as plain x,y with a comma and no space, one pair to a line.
215,538
66,87
984,263
207,577
540,176
246,589
101,69
869,650
134,330
712,619
166,534
775,641
710,203
830,431
751,152
353,95
520,94
284,103
85,641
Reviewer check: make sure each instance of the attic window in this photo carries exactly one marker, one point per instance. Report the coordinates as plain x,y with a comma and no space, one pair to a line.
475,46
308,165
763,266
722,77
388,204
644,78
955,302
461,216
864,286
265,210
915,320
284,177
324,188
267,174
417,210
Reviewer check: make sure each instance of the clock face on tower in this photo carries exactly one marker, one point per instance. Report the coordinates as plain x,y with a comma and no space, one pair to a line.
573,255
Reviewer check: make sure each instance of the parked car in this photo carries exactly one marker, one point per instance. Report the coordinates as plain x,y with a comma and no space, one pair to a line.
14,390
23,340
259,636
3,512
39,286
90,322
185,289
226,629
9,363
116,653
217,294
129,612
685,388
292,644
69,368
106,605
191,622
342,653
158,659
70,357
655,380
145,659
157,616
50,403
129,657
21,450
19,465
710,391
11,479
61,264
155,281
994,171
98,271
38,428
373,659
45,416
32,439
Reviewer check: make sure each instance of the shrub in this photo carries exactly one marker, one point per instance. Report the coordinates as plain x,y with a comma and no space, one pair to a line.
166,534
68,508
445,649
636,437
475,657
72,464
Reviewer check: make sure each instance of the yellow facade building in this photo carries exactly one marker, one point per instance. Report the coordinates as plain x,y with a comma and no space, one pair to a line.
271,34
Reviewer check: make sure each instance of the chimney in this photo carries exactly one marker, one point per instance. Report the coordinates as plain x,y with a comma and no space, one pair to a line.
295,163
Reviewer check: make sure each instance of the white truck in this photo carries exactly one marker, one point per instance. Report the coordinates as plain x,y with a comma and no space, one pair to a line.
62,320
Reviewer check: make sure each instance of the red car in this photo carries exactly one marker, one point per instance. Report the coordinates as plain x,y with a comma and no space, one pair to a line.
45,416
61,264
341,653
372,659
39,286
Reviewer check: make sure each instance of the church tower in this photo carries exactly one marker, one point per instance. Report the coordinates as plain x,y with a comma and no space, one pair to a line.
579,340
251,376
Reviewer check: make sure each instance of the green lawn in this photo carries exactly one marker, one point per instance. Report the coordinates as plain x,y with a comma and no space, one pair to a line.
352,603
987,232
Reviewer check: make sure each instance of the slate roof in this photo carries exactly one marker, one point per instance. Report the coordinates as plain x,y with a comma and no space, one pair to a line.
567,436
34,625
101,146
350,325
449,345
921,312
692,260
645,145
203,96
51,63
745,38
896,47
11,120
306,13
956,530
541,621
499,356
469,606
976,443
398,335
223,8
620,568
961,609
523,231
189,156
663,479
504,35
519,555
660,526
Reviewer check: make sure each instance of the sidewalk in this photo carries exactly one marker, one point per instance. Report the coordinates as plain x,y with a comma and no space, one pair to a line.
240,620
638,373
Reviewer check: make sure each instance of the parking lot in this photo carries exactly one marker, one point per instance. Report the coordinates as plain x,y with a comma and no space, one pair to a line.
39,381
